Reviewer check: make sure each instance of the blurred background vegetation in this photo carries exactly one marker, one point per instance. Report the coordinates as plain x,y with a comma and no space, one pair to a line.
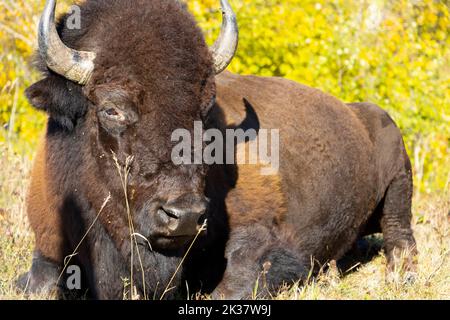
395,53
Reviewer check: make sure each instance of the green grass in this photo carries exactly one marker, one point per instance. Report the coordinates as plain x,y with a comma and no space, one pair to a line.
364,281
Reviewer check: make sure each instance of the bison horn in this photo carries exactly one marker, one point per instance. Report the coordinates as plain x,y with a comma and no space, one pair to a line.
69,63
225,46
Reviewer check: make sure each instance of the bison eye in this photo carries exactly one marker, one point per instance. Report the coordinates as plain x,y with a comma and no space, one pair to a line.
114,119
111,112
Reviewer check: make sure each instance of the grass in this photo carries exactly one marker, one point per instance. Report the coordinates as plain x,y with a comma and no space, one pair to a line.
364,280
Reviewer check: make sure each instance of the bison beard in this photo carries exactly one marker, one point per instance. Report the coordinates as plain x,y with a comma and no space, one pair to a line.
344,171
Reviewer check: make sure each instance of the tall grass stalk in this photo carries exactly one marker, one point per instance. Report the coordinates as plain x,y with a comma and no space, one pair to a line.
124,172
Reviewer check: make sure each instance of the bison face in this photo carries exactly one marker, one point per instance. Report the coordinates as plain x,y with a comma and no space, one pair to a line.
119,86
128,120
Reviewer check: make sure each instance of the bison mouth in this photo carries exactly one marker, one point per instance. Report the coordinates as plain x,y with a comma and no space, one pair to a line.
170,242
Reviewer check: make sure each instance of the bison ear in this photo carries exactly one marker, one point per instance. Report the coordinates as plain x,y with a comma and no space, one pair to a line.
61,99
37,95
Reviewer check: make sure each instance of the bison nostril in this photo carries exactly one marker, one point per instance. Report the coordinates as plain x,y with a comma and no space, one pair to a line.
182,219
170,213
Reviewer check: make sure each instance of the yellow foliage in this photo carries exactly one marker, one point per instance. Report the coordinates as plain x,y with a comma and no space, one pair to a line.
393,53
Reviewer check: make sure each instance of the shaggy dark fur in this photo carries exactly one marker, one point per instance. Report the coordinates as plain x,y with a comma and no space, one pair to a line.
155,65
344,170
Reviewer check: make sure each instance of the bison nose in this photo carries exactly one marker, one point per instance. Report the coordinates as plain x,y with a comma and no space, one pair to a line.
183,221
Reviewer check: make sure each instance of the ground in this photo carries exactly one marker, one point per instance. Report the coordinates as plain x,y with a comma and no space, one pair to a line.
360,276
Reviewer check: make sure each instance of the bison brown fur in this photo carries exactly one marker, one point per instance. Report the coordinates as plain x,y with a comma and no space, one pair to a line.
344,171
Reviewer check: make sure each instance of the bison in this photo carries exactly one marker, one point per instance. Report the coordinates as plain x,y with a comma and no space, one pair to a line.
106,194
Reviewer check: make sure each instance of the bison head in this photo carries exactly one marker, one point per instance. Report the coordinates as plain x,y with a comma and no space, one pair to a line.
122,83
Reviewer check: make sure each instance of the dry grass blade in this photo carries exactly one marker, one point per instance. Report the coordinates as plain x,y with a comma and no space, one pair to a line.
167,289
124,171
144,238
